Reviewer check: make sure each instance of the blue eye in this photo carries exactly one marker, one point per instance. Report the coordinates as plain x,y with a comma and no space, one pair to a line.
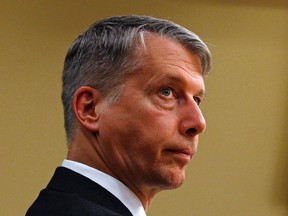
166,91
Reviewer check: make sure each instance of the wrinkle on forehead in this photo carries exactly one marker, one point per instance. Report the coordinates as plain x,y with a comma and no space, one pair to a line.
166,60
160,50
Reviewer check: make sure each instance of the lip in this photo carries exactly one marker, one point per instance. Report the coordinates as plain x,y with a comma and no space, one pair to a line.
181,153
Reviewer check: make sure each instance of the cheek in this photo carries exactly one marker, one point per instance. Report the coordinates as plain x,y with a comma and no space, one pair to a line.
150,138
142,129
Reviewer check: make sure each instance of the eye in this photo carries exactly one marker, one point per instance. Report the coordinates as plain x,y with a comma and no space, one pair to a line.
198,100
166,91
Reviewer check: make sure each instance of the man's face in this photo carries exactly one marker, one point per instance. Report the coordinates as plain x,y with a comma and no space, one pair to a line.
149,136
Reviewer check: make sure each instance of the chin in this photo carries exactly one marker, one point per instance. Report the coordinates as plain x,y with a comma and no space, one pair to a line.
167,179
175,181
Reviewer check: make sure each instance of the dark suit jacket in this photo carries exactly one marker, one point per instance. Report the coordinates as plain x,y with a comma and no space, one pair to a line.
71,194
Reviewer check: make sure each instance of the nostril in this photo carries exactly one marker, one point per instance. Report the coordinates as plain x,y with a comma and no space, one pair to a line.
191,131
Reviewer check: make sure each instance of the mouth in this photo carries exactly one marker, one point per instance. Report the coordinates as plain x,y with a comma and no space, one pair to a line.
184,155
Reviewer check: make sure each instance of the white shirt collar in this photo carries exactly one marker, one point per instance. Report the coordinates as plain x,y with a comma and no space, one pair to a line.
114,186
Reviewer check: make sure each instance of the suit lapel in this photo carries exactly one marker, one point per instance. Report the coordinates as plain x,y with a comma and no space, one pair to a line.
66,180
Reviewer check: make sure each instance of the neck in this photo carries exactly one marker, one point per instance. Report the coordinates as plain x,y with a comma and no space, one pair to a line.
84,150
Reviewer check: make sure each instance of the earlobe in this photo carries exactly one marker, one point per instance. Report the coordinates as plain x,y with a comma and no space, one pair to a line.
85,105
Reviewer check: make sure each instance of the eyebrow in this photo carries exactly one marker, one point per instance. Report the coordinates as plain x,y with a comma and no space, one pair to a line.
201,93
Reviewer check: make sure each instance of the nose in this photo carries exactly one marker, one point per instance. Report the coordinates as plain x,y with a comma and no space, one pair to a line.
192,121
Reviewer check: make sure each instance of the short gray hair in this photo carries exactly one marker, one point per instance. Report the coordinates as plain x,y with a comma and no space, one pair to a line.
104,55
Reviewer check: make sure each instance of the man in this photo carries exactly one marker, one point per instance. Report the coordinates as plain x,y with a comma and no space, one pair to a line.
132,86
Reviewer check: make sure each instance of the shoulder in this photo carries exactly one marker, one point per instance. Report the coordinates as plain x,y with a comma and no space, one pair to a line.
59,204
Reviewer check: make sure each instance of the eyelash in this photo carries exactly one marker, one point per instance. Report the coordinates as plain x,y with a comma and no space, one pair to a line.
197,100
163,89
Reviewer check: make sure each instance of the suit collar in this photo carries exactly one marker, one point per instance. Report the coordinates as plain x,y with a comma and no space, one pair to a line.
66,180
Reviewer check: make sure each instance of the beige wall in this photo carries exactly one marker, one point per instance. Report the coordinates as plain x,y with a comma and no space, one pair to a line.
242,165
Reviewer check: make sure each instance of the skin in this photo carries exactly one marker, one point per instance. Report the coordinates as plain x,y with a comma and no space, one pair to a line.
147,139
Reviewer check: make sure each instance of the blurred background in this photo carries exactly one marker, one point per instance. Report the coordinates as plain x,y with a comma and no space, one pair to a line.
241,167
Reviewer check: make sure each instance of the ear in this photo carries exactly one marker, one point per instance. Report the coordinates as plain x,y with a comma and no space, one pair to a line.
85,104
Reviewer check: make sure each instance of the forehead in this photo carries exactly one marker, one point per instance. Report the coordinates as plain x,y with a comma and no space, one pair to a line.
161,50
166,58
